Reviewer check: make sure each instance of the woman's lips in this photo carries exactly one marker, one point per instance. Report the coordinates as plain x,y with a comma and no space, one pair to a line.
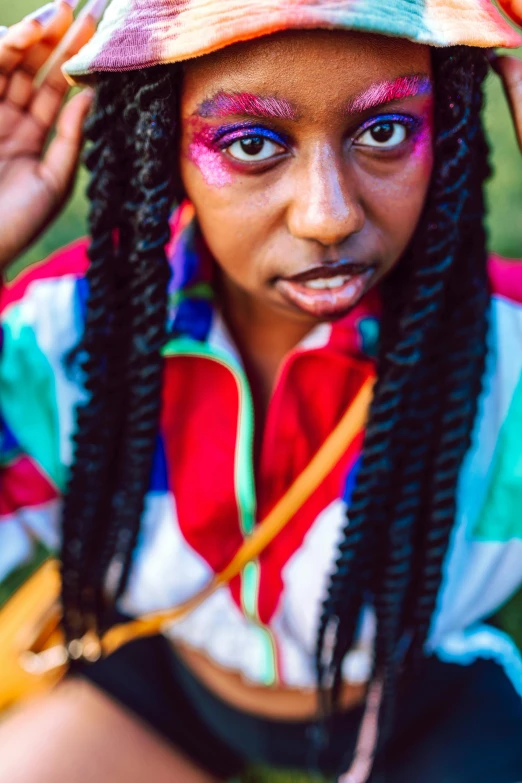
325,293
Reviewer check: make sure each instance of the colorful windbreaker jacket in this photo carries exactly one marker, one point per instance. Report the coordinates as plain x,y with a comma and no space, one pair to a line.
204,494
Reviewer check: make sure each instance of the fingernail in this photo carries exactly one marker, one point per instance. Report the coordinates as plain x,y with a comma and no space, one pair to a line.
95,9
43,15
73,4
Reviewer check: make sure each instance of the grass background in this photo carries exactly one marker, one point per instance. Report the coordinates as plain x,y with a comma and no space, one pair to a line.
504,198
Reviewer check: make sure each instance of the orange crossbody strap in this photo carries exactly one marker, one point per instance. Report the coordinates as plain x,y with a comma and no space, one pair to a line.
325,459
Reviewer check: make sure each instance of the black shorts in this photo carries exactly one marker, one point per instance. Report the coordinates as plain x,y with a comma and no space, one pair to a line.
454,724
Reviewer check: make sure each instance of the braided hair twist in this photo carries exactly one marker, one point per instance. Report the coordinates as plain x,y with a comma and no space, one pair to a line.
429,377
133,129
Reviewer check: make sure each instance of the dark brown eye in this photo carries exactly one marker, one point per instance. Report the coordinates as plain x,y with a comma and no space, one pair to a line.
254,149
252,145
383,132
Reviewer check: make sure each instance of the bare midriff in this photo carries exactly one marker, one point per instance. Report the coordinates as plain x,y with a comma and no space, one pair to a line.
273,702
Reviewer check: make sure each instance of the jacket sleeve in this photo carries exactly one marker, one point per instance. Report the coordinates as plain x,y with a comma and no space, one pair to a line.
501,516
40,322
483,565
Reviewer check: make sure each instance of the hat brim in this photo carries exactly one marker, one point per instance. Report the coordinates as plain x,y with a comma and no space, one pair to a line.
140,33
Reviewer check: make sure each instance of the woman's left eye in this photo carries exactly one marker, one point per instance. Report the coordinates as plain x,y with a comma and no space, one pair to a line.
253,149
384,134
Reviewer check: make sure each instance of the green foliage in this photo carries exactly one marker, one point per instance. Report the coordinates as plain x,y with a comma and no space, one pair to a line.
504,194
510,618
17,578
272,776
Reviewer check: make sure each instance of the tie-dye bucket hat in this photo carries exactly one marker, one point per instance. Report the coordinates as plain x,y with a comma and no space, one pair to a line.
139,33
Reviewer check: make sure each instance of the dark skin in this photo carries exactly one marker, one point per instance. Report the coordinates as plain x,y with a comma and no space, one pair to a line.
322,196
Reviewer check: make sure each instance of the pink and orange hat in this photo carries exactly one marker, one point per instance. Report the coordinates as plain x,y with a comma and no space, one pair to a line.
138,33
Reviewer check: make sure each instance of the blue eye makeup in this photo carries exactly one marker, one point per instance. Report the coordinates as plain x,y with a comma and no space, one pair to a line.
227,134
387,131
249,142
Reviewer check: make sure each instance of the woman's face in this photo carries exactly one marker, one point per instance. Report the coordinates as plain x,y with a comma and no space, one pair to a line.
307,156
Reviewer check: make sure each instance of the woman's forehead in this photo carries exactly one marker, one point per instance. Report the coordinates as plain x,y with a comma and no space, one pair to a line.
299,67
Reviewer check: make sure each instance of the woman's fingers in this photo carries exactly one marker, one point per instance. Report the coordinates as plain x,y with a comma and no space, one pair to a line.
83,28
37,55
510,71
61,159
13,46
27,45
22,36
31,106
46,102
19,89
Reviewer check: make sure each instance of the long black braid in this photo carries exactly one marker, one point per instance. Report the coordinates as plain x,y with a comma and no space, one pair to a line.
429,370
81,513
429,377
132,159
146,214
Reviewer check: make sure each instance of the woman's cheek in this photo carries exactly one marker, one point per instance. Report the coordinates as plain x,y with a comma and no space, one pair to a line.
410,185
423,143
423,152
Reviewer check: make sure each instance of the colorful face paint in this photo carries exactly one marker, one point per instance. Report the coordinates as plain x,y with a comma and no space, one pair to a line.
388,91
411,126
209,144
228,134
208,158
224,104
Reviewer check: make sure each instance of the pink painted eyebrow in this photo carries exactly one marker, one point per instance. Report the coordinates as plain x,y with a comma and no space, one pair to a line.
224,104
388,91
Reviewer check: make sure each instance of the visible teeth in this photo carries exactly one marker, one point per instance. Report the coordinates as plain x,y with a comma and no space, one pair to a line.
327,282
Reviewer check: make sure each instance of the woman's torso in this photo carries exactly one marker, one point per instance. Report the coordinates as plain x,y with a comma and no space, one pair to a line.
205,497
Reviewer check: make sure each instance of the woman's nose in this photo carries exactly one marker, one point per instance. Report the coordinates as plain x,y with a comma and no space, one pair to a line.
324,206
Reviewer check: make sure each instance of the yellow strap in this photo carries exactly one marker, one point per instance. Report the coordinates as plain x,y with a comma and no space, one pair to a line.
329,454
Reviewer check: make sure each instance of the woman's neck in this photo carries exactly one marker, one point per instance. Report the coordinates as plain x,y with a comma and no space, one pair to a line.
264,336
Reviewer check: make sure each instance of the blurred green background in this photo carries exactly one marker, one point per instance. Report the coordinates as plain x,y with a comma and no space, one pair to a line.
504,197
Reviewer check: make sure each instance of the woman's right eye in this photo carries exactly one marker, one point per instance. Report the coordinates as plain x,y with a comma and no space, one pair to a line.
253,149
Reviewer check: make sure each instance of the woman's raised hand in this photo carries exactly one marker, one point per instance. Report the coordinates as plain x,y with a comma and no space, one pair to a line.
36,179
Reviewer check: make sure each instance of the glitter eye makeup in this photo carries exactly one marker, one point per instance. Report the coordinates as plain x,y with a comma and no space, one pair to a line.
225,104
220,153
228,134
208,145
204,153
388,91
380,133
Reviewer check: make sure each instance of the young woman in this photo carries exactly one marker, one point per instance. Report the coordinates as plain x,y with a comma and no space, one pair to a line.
164,383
